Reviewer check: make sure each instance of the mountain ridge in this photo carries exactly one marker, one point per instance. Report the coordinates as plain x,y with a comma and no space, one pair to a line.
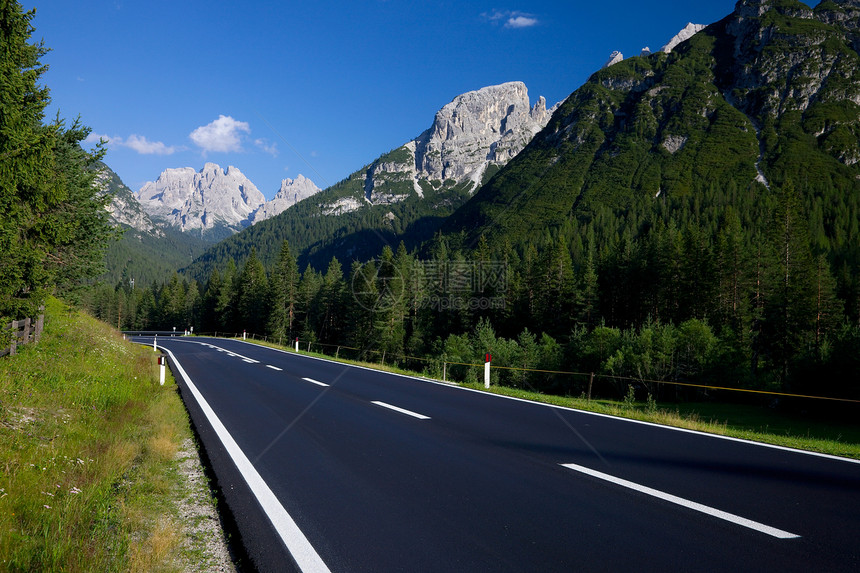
765,95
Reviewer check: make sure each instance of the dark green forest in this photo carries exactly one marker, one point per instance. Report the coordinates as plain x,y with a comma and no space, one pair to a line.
678,293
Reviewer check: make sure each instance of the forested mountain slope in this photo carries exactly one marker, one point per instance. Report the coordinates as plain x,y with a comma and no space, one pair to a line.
768,95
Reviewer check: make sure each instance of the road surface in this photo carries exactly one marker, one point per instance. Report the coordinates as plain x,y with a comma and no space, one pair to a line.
332,467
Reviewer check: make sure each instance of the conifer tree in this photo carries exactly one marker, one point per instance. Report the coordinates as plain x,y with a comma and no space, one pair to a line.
789,312
53,228
284,294
332,303
251,295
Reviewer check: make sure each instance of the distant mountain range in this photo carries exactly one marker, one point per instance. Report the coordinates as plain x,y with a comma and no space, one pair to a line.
214,202
149,251
406,193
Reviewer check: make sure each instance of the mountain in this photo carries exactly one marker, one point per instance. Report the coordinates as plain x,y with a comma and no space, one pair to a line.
291,192
125,210
212,202
406,193
770,94
148,251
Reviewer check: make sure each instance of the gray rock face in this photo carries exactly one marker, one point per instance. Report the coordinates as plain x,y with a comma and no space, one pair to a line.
485,127
123,208
291,192
192,200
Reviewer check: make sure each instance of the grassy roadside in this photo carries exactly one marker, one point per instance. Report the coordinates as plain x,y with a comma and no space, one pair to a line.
90,455
735,420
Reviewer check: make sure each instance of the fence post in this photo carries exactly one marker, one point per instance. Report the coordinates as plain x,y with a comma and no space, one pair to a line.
590,381
13,346
444,371
337,353
40,324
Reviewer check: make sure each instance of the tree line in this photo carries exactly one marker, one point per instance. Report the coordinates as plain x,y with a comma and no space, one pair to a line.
675,302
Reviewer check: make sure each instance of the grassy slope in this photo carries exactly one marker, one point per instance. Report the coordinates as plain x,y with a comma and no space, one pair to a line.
89,474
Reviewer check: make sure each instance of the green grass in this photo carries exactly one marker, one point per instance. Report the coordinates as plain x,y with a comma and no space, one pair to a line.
88,447
736,420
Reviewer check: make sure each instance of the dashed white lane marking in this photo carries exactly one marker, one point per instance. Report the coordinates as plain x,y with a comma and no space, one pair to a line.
274,367
736,519
402,411
318,383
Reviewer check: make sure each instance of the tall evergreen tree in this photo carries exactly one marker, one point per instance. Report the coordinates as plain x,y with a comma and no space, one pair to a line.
251,296
53,228
789,312
284,294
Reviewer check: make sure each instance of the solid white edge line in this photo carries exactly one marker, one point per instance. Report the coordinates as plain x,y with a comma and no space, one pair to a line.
586,412
736,519
297,544
402,411
317,382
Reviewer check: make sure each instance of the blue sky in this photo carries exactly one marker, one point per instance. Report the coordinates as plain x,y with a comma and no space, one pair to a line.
317,88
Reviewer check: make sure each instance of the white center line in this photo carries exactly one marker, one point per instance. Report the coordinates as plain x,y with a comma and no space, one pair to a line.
274,367
312,381
402,411
736,519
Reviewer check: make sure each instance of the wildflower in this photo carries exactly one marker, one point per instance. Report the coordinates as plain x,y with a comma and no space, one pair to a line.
74,490
47,506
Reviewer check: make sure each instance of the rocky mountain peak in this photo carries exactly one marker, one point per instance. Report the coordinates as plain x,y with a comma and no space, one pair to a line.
685,34
476,129
291,192
201,200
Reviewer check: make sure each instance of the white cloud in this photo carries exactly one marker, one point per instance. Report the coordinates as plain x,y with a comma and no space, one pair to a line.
140,144
512,19
521,21
94,138
136,142
223,134
270,148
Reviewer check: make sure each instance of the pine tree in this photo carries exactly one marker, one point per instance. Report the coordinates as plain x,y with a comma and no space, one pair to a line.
332,303
225,304
284,295
252,294
53,227
391,312
789,312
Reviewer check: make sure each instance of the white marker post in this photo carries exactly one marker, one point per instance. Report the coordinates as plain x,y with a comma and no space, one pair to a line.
155,343
243,335
487,359
297,343
162,363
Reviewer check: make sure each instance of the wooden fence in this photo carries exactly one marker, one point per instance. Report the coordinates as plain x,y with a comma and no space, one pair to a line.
24,332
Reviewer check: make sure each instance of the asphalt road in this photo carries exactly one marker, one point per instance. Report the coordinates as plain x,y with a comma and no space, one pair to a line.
332,467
